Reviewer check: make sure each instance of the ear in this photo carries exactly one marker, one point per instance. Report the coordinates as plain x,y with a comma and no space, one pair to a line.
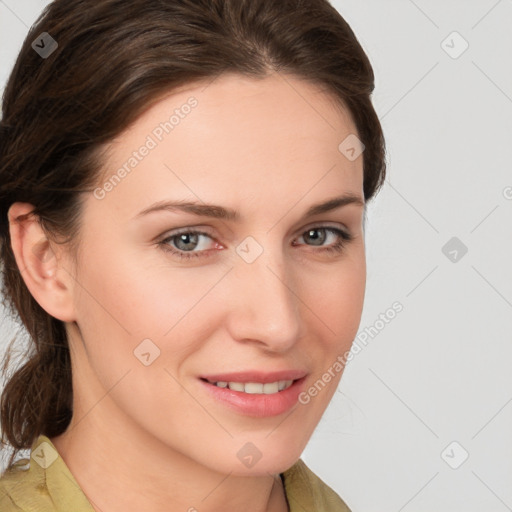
42,263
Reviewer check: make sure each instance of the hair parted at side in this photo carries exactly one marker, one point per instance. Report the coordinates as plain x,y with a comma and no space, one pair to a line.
114,59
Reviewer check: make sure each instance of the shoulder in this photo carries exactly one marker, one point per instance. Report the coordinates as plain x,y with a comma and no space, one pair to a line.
42,483
306,491
21,491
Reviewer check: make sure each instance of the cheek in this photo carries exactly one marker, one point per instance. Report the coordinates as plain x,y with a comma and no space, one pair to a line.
337,296
124,300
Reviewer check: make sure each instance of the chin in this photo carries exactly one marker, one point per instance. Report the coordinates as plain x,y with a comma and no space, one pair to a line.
262,458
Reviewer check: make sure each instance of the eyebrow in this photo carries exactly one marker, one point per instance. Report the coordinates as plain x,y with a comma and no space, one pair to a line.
220,212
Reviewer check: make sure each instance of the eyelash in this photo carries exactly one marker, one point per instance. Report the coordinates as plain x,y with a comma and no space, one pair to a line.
344,238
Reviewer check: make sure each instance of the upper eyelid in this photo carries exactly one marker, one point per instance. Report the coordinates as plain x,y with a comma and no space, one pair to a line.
189,229
202,231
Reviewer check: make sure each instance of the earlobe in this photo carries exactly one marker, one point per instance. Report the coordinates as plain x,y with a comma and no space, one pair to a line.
40,266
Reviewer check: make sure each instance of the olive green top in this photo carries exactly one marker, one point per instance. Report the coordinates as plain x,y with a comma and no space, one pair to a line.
47,485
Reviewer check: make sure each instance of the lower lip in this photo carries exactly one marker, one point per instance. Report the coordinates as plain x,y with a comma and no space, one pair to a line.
258,404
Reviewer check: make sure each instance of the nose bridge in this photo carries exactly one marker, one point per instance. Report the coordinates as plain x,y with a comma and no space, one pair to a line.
266,306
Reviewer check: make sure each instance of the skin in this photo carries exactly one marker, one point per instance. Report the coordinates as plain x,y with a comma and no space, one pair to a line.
268,148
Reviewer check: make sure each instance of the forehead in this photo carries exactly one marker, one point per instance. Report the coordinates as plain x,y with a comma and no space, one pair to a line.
251,139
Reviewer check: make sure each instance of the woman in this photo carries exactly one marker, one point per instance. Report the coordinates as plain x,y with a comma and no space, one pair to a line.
183,191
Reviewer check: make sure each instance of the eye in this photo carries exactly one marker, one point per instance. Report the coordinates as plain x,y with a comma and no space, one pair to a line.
341,238
183,243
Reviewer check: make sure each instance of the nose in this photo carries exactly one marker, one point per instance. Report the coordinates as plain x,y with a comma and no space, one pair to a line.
264,304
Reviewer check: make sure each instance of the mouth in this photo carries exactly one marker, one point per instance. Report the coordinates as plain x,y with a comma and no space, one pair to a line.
253,397
254,388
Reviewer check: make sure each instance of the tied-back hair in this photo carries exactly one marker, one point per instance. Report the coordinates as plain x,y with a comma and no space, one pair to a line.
115,59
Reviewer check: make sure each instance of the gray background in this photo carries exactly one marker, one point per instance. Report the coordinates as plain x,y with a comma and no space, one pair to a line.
439,372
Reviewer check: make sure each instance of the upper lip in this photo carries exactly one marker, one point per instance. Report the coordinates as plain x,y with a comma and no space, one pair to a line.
256,376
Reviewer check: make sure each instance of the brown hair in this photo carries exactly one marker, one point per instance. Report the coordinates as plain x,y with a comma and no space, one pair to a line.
114,59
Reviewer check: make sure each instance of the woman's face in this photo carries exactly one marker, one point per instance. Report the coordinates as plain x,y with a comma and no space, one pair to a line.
264,292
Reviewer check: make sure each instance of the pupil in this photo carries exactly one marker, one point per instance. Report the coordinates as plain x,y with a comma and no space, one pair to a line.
317,238
183,238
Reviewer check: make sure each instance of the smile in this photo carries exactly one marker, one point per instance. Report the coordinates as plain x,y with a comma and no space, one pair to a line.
257,399
267,388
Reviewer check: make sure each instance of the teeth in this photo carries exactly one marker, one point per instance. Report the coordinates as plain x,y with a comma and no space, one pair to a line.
268,388
236,386
283,384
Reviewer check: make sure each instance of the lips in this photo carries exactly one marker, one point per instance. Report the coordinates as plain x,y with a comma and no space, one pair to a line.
256,404
255,376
